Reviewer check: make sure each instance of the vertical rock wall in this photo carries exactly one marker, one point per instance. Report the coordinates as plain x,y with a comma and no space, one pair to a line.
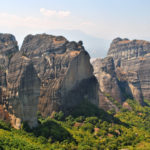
124,73
48,74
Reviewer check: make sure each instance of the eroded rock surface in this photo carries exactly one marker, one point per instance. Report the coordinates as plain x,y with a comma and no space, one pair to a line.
48,74
106,75
133,57
124,73
64,70
104,70
19,84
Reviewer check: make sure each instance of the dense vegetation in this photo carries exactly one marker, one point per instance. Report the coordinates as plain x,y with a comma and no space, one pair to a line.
86,128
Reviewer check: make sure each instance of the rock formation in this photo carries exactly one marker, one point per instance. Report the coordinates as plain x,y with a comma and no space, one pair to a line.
104,70
124,73
64,70
48,74
133,57
19,84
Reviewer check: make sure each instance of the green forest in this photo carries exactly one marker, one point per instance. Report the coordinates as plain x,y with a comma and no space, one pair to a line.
85,128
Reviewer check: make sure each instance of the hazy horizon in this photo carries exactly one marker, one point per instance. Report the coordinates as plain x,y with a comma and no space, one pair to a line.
95,22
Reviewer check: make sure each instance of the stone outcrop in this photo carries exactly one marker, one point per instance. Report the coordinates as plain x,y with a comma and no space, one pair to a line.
23,91
133,58
106,75
19,84
104,70
124,73
48,74
64,70
124,49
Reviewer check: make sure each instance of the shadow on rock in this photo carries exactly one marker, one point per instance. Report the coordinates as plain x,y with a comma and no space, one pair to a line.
89,110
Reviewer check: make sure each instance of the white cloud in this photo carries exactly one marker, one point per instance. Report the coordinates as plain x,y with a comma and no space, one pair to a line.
57,20
53,20
54,13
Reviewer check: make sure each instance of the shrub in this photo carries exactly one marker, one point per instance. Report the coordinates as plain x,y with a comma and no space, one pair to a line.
92,120
5,125
88,127
59,116
25,126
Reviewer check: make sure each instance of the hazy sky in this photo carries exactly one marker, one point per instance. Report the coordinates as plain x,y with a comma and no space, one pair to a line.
97,22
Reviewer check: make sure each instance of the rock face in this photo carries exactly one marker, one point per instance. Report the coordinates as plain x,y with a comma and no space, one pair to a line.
106,75
19,84
122,49
133,57
104,70
64,70
125,71
48,74
24,90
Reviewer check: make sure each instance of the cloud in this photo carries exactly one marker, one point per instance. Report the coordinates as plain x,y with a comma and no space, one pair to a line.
54,13
58,20
107,28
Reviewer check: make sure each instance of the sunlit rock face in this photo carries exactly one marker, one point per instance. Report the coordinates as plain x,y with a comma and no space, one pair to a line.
48,74
19,85
125,49
64,70
133,57
104,70
124,73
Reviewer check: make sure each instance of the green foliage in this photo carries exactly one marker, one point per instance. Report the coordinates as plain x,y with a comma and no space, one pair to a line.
83,130
92,120
147,102
87,109
80,119
59,116
4,125
50,129
25,127
88,127
113,100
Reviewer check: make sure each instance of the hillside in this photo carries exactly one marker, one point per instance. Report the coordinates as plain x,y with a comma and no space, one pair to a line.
90,129
49,90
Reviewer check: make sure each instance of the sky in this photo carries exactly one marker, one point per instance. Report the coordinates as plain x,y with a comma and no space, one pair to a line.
95,22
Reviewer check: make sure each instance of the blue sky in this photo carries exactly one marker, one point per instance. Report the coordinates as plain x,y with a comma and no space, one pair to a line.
96,22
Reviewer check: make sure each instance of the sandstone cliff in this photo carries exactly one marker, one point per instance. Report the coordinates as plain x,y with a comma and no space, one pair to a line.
133,57
48,74
64,70
19,84
124,73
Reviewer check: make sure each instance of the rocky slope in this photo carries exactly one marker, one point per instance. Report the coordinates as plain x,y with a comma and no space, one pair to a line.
125,71
49,72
